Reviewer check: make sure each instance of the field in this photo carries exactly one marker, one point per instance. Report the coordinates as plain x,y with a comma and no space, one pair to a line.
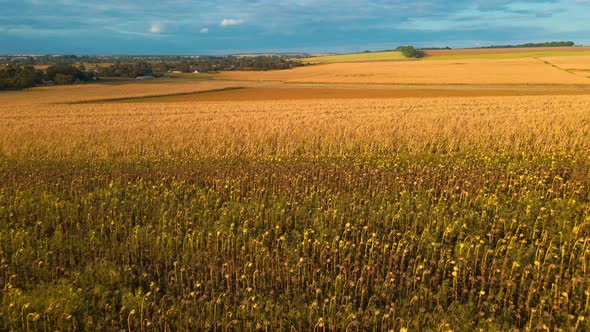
506,53
579,65
456,54
571,63
503,71
311,93
413,205
357,57
94,92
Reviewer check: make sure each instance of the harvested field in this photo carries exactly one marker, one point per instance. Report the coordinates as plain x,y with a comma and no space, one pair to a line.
514,71
289,93
582,73
89,92
574,62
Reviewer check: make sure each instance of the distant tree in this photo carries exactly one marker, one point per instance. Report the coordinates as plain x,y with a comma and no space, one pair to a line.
409,51
63,79
184,67
17,77
141,68
67,70
160,67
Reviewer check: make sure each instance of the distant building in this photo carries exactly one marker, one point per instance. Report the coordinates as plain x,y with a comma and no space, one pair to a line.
201,71
145,77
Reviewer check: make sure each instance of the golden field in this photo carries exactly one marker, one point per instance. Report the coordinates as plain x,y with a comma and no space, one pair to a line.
325,207
96,92
289,128
574,62
503,71
454,54
579,65
311,92
495,51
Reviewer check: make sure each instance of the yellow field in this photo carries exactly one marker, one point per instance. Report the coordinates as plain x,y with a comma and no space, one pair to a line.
505,51
313,92
513,71
322,127
571,63
357,57
456,54
90,92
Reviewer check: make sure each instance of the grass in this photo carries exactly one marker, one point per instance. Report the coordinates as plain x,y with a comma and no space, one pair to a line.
416,214
358,57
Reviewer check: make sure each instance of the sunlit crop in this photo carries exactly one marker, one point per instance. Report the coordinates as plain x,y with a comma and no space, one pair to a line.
391,214
530,70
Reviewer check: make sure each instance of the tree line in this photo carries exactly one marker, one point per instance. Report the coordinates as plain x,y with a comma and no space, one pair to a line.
35,60
527,45
412,52
204,64
26,76
20,77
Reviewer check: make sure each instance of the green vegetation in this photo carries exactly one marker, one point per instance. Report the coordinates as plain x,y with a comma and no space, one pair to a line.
17,77
21,77
67,73
409,51
129,70
251,60
202,65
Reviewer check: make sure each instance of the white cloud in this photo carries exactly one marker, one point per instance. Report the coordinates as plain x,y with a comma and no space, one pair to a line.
155,28
230,21
204,30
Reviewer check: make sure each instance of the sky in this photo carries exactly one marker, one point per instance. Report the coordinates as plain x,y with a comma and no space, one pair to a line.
190,27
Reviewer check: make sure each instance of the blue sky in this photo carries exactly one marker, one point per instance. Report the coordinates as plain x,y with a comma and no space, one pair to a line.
235,26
